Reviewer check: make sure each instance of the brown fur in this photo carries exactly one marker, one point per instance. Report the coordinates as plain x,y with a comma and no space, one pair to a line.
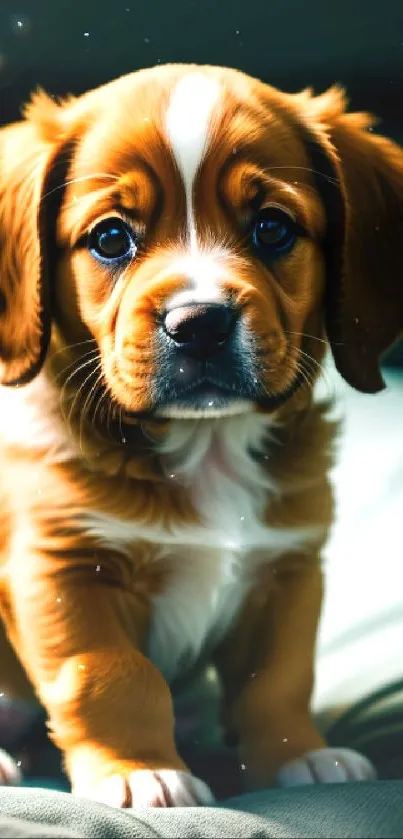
76,613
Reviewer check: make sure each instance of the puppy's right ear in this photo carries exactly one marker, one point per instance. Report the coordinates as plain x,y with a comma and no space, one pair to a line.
361,173
34,159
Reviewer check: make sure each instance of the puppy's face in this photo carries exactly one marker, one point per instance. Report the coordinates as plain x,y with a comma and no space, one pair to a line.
198,230
191,236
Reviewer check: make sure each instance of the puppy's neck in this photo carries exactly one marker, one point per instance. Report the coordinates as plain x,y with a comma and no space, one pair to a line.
235,447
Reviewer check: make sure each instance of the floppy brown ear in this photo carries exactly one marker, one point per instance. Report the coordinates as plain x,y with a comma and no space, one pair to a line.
32,168
365,271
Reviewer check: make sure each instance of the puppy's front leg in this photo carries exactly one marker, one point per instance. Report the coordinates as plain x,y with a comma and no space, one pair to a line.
109,708
270,704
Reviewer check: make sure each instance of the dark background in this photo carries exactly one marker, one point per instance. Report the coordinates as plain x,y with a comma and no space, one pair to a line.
68,46
289,44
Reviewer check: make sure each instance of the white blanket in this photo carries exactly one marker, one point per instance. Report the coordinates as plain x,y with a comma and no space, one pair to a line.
361,639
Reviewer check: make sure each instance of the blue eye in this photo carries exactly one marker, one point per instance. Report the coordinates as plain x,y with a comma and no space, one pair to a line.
112,240
274,233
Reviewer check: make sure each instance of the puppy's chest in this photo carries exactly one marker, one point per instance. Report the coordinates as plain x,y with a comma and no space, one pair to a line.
207,567
212,567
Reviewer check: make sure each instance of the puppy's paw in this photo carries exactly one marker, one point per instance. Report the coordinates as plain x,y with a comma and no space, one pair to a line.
10,775
326,766
150,788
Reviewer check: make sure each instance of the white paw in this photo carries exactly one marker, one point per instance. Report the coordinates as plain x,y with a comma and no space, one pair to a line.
10,775
151,788
326,766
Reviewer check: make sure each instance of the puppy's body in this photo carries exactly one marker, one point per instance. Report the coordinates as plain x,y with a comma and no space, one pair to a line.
221,508
165,492
200,553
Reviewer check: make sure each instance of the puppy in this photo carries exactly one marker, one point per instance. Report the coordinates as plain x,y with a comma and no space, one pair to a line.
176,249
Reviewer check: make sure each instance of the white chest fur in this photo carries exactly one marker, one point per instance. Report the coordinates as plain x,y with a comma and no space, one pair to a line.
214,566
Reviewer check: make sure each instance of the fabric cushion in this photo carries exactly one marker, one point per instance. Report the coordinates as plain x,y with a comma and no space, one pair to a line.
349,810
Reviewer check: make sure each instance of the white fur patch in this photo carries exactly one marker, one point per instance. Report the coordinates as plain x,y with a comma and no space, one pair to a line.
188,122
326,766
146,788
204,271
188,125
213,564
28,419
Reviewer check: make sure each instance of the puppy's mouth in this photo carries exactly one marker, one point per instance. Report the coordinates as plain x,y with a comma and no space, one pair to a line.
205,398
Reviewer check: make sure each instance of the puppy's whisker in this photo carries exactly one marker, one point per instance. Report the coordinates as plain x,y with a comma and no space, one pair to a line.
102,398
323,175
80,390
304,367
306,335
328,383
91,353
77,397
306,374
316,338
311,360
87,404
310,369
75,372
302,355
322,372
72,347
71,181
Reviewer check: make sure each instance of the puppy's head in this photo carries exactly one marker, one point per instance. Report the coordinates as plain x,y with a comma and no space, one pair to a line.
202,232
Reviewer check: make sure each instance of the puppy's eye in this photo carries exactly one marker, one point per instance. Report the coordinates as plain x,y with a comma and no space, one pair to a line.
112,240
274,233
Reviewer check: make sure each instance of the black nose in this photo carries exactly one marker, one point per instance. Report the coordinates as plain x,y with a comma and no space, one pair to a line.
200,329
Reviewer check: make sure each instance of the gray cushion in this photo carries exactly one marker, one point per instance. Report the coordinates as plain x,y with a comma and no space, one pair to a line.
350,810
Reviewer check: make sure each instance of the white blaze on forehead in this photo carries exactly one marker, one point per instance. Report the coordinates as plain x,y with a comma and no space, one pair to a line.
188,122
205,270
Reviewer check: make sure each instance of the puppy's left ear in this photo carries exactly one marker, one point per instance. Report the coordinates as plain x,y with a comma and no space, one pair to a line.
34,157
364,189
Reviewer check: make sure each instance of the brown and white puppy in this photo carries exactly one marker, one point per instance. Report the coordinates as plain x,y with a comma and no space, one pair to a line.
174,249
